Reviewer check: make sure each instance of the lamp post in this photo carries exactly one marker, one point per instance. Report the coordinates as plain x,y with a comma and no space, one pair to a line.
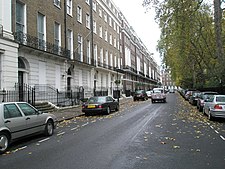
117,84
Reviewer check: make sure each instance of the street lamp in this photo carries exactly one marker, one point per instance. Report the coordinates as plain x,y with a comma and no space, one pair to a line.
117,83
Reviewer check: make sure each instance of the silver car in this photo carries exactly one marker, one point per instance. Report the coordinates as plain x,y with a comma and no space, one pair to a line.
214,106
19,119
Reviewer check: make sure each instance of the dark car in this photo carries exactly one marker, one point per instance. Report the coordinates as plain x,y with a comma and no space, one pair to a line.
188,94
203,96
100,104
140,95
194,98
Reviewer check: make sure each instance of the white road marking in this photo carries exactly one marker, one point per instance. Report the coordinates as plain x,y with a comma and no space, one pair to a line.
43,140
216,131
222,137
74,128
59,134
85,124
21,148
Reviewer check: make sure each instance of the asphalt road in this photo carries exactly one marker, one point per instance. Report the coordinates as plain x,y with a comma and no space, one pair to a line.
141,135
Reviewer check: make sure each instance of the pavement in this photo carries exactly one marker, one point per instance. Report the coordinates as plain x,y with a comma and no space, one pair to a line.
67,113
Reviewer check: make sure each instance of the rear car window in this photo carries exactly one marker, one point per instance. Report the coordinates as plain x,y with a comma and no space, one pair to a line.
220,99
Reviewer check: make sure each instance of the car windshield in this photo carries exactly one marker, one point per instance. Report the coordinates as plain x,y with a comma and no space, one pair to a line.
195,94
139,91
208,96
157,91
96,100
220,99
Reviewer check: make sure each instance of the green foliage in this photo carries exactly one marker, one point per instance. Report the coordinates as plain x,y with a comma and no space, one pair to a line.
187,44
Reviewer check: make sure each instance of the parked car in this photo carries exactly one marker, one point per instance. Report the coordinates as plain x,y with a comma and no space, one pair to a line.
194,98
171,91
188,94
19,119
158,95
214,106
140,95
100,104
202,98
149,93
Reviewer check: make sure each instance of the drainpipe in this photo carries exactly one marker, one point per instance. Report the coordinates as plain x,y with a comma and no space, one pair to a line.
91,27
65,24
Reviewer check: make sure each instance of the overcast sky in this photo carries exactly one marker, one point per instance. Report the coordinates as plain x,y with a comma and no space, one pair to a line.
143,23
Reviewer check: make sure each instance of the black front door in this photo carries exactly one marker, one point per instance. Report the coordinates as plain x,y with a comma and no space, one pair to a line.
20,82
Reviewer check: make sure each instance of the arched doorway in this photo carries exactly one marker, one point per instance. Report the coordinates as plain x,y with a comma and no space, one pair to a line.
22,71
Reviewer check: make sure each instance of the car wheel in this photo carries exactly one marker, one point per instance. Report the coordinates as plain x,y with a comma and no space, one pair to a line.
153,101
4,142
210,117
49,128
117,107
108,110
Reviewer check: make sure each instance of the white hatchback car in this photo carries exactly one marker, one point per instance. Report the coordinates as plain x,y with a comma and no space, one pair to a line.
19,119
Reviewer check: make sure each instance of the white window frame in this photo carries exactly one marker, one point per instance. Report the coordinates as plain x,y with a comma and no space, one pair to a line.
79,14
106,57
127,56
57,3
88,52
87,2
101,55
94,27
110,39
23,21
105,17
70,42
110,21
94,5
100,31
57,37
111,59
80,46
100,12
41,33
95,53
114,25
69,7
115,42
106,36
88,20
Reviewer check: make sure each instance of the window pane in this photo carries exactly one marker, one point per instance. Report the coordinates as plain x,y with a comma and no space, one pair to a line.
11,111
27,109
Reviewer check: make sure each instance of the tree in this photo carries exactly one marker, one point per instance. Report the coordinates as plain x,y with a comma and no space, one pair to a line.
187,43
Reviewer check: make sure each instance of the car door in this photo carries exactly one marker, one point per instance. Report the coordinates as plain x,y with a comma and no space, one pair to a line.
109,101
208,103
14,120
35,120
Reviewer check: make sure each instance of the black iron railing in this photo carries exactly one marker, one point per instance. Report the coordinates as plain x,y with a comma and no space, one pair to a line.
1,30
34,42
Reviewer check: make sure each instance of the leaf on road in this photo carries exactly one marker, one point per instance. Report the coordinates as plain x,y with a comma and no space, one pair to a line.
176,147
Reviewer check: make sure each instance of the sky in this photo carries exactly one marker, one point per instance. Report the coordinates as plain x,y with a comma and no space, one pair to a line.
143,24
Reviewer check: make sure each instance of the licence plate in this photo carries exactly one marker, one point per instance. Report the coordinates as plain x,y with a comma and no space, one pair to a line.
91,106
